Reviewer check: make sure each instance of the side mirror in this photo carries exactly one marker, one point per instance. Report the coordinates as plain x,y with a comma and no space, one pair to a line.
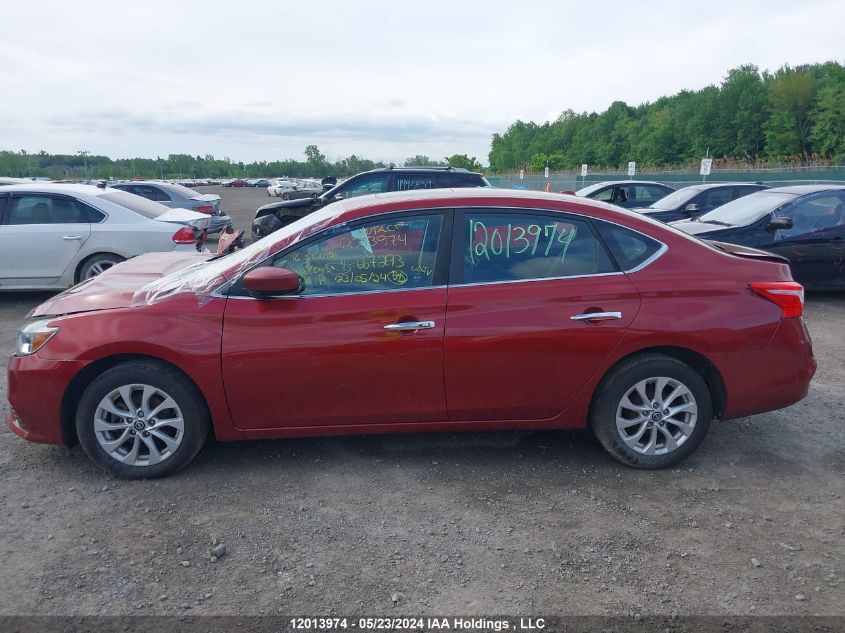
779,223
269,281
692,207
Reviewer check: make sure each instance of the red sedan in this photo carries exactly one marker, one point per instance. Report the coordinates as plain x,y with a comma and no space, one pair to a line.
438,310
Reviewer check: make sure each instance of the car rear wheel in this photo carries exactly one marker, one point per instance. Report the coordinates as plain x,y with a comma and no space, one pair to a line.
286,196
97,264
141,420
651,411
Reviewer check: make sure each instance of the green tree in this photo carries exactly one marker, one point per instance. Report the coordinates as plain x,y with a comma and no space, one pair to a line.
462,160
421,160
828,133
791,94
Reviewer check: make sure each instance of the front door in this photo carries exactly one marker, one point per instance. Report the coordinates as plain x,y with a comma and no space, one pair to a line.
814,243
535,308
362,343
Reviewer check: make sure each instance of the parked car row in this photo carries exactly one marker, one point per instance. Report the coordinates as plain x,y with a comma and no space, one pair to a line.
293,189
53,236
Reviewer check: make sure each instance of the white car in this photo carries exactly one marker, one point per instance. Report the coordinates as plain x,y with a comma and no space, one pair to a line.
279,186
53,236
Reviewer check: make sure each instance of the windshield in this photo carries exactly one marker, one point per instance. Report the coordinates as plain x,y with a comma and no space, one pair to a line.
147,208
677,199
203,278
747,209
586,191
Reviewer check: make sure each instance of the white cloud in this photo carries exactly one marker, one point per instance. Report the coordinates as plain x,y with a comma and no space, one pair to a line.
380,79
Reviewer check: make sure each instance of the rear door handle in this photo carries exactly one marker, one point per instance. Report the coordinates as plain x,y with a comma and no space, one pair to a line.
596,316
410,326
71,237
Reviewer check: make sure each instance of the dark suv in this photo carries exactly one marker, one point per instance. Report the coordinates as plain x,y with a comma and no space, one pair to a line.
274,216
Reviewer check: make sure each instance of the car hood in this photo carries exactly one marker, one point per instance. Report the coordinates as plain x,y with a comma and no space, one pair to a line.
116,287
284,204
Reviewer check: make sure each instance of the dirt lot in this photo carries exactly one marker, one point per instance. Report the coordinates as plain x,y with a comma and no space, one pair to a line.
521,523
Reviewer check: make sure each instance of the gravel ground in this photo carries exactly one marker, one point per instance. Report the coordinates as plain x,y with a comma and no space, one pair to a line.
540,522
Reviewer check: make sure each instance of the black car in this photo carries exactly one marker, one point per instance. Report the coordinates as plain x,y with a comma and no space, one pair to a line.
805,224
689,203
274,216
626,193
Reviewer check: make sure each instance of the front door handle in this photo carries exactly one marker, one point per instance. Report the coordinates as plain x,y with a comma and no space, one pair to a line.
410,326
71,237
596,316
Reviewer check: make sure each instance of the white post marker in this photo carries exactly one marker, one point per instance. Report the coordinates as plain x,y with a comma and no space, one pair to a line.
522,174
584,170
632,168
706,164
546,173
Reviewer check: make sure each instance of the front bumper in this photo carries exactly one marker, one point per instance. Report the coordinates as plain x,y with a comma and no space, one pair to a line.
36,389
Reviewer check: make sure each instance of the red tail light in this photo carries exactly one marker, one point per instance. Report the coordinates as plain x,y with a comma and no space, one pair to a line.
206,208
787,294
185,235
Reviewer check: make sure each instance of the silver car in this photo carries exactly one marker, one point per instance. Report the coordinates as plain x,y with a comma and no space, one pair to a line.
53,236
179,197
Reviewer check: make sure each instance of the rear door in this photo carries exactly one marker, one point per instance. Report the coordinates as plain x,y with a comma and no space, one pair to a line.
40,236
535,306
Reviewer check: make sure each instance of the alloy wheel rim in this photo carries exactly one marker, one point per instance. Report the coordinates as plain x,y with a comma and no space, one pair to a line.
98,268
656,416
139,425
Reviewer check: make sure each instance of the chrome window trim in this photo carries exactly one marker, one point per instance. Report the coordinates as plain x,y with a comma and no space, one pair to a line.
221,290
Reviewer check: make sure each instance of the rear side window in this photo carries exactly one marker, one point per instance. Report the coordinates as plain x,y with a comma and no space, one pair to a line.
629,248
457,181
408,182
147,208
514,247
44,209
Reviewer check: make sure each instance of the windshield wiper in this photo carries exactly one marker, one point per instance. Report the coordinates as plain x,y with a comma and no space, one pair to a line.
719,222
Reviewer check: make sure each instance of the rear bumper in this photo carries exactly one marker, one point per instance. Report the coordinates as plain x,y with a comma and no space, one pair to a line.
36,389
774,377
218,223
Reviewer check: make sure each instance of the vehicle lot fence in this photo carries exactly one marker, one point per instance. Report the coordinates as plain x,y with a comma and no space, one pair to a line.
562,181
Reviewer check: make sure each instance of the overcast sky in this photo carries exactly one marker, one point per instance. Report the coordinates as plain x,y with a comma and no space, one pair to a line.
384,80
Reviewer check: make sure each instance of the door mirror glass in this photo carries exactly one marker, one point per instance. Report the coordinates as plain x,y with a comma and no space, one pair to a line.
269,281
692,207
779,223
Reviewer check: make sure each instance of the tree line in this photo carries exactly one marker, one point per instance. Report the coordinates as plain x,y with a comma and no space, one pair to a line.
792,114
83,166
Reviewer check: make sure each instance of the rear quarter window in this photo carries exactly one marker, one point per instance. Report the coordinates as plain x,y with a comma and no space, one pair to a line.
629,248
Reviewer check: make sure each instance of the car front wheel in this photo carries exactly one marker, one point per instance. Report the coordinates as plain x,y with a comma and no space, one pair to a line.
651,411
141,420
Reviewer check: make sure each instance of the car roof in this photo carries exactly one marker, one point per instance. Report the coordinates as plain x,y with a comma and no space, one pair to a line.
348,208
714,185
801,190
459,170
66,188
627,182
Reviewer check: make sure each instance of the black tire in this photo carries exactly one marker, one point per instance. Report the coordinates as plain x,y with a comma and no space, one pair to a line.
100,260
194,413
285,196
620,380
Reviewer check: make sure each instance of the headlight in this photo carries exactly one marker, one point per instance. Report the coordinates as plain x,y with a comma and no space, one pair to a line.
33,336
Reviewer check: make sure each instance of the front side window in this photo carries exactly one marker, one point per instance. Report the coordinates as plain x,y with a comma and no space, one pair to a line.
377,183
648,194
45,209
715,198
813,215
513,247
605,195
386,255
